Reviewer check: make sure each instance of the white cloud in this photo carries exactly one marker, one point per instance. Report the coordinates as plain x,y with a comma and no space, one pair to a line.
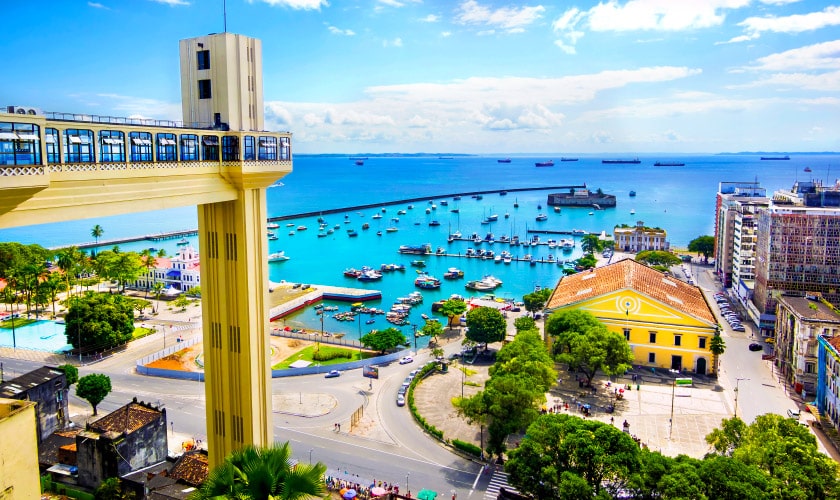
445,34
825,56
296,4
338,31
431,18
172,3
508,19
392,3
829,82
96,5
419,122
797,23
396,42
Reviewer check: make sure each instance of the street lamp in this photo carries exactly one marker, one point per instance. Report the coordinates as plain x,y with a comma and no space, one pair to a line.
737,380
414,327
463,376
671,420
310,455
360,333
406,482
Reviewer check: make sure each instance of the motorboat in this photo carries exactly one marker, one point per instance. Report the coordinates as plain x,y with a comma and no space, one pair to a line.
391,229
369,275
301,228
352,272
453,273
272,225
427,282
277,256
541,217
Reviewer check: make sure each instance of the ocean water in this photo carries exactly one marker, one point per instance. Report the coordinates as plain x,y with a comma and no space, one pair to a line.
680,200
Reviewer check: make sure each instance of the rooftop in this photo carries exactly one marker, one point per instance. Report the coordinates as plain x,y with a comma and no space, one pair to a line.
127,419
804,308
12,388
629,274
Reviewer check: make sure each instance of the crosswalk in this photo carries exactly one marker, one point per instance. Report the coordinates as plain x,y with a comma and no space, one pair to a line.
497,482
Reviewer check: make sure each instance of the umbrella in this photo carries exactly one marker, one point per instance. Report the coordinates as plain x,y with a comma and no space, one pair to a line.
342,491
349,494
377,491
426,495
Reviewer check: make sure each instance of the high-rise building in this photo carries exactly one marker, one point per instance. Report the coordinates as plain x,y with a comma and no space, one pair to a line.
798,247
736,201
18,450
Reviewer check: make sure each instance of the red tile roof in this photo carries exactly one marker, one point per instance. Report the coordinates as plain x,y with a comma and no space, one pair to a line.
192,468
629,274
127,419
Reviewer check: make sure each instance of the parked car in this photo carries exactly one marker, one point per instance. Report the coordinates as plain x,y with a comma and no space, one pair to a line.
402,390
406,360
400,400
406,382
332,374
739,328
413,373
793,413
755,347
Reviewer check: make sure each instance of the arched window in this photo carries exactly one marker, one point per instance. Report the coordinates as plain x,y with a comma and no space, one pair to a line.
78,146
141,146
167,147
111,146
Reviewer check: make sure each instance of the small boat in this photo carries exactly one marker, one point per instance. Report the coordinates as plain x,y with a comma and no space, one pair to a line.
632,211
272,237
578,231
291,233
395,219
434,223
455,210
504,160
290,224
785,157
369,275
365,226
557,210
669,164
370,321
456,198
479,197
322,235
401,212
507,215
613,162
591,213
427,282
301,228
418,263
352,272
541,217
428,210
376,216
807,169
568,159
453,273
410,207
444,203
183,242
515,203
549,163
277,256
360,162
272,225
352,234
391,229
632,193
502,193
379,233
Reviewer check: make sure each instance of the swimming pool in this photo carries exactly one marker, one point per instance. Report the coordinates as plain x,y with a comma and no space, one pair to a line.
41,336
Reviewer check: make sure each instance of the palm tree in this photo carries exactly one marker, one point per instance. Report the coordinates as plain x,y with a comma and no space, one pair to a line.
157,287
259,473
148,263
96,232
68,260
590,243
717,346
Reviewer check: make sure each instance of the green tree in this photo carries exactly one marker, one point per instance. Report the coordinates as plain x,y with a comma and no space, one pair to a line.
474,409
68,260
71,373
586,345
657,258
181,302
513,402
432,329
704,245
93,388
157,288
148,260
560,448
784,451
486,325
122,267
588,261
452,309
535,301
383,340
523,323
526,355
97,231
112,489
99,321
263,473
717,346
590,243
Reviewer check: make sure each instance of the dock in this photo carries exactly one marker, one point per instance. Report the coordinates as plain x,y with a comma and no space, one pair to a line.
168,235
323,292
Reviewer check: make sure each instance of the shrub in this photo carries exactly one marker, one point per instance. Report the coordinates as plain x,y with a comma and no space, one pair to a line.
466,447
326,355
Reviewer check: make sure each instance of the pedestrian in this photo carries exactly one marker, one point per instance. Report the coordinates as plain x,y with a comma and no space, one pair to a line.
339,427
612,420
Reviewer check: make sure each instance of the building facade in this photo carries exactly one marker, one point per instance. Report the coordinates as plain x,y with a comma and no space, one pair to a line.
47,387
177,274
800,321
667,322
18,450
640,238
729,217
828,379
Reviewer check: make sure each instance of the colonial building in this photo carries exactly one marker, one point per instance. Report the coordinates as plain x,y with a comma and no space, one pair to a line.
125,440
18,450
828,378
667,322
47,387
172,479
177,274
640,238
799,323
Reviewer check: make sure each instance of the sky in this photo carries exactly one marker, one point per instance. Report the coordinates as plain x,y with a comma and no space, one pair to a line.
461,76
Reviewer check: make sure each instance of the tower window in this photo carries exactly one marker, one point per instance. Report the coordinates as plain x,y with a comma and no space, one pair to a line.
203,59
204,89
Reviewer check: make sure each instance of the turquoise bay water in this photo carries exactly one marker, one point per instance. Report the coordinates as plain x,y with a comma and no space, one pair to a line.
41,335
680,200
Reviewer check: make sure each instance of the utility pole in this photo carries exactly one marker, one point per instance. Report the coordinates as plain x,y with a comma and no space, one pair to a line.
671,421
414,327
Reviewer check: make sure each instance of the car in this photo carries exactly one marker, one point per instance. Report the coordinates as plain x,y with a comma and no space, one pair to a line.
406,382
739,328
400,400
413,373
406,360
770,340
402,390
793,413
332,374
755,346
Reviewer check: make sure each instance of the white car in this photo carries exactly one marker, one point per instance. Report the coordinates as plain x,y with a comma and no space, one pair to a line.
406,360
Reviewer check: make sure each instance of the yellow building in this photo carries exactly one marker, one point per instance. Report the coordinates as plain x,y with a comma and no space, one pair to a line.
667,322
18,450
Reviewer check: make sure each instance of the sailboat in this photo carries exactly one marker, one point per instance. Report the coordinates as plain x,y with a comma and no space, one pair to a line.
516,203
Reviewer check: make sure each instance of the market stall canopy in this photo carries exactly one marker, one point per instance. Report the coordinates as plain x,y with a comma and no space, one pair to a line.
426,495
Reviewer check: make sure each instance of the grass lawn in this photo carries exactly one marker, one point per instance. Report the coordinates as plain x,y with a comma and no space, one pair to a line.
141,332
18,322
306,354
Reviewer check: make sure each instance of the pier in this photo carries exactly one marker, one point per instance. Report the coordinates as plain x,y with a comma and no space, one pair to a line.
168,235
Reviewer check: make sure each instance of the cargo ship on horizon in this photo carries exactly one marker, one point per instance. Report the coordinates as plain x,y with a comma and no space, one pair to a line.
633,161
785,157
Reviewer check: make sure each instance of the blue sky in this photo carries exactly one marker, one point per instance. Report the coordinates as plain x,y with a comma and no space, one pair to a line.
473,76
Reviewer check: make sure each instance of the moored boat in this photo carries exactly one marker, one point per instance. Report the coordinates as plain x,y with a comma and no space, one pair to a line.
277,256
669,164
549,163
503,160
568,159
613,162
416,249
542,217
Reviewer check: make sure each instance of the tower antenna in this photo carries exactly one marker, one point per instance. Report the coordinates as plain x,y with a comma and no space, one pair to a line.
224,13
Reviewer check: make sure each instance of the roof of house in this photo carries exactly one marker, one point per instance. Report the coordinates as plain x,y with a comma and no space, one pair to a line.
14,387
629,274
127,419
192,468
803,307
48,448
835,343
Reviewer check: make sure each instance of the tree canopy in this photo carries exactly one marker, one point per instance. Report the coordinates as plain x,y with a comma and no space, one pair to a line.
71,373
453,308
657,258
586,345
590,243
486,325
383,340
535,301
93,388
704,245
99,321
